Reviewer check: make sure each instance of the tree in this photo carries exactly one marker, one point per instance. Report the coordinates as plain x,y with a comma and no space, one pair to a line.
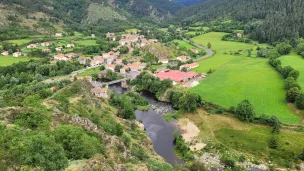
117,68
244,111
209,45
40,150
300,101
292,94
283,48
34,119
76,143
124,61
295,74
286,71
32,101
128,111
273,143
184,69
290,82
124,49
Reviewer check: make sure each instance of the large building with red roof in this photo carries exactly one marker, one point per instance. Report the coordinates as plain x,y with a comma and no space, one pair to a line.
176,76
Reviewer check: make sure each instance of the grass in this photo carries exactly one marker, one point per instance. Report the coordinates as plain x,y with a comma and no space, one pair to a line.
239,77
90,71
182,43
86,42
297,62
20,41
246,138
133,30
9,60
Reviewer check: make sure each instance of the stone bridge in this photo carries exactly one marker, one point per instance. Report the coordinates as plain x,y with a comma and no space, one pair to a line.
123,82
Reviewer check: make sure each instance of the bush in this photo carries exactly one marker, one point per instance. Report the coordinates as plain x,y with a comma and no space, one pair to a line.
76,143
284,48
228,161
300,101
273,143
244,111
290,82
294,74
292,94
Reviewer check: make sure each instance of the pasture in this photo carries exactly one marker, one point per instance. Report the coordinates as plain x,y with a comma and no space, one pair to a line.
90,71
184,44
86,42
239,77
9,60
250,139
297,62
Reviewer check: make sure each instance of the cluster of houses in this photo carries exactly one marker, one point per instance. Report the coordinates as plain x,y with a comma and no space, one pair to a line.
65,57
15,54
131,41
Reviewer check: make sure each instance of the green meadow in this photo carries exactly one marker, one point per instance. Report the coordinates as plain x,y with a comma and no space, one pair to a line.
247,138
184,44
20,41
240,77
90,71
9,60
86,42
297,62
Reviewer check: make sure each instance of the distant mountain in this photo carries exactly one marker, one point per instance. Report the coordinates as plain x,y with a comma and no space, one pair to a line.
188,2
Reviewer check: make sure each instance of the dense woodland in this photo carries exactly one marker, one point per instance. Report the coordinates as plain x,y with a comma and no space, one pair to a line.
267,21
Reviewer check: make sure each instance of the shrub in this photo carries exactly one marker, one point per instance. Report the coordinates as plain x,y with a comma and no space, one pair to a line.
273,143
283,48
292,94
290,82
300,101
244,111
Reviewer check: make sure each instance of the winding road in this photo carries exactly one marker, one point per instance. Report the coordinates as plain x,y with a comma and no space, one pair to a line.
209,51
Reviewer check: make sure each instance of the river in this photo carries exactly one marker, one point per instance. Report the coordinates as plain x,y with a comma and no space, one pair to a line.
158,130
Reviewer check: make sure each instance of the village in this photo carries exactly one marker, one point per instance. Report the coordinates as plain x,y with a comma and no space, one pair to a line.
113,61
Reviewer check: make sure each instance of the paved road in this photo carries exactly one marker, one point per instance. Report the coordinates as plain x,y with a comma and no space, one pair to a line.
209,51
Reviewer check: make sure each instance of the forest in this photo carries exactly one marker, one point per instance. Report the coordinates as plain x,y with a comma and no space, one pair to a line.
266,21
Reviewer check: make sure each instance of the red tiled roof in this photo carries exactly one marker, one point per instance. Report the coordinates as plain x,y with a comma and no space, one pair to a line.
176,75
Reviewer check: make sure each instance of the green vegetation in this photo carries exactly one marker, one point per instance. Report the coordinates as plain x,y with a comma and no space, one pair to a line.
297,63
9,60
230,135
239,77
184,44
92,71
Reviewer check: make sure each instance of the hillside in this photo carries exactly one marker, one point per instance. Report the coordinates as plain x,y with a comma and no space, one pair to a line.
76,130
267,21
188,2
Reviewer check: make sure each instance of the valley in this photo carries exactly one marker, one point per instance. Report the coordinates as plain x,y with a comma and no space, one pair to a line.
152,85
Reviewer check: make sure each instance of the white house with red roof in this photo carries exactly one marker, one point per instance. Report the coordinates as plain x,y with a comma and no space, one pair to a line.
176,76
100,92
59,49
60,57
5,53
70,45
189,66
110,67
183,58
45,44
17,54
96,62
84,61
32,46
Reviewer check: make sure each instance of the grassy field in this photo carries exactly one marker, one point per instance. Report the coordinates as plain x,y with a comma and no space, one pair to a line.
9,60
134,30
297,62
86,42
20,41
182,43
90,71
246,138
239,77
